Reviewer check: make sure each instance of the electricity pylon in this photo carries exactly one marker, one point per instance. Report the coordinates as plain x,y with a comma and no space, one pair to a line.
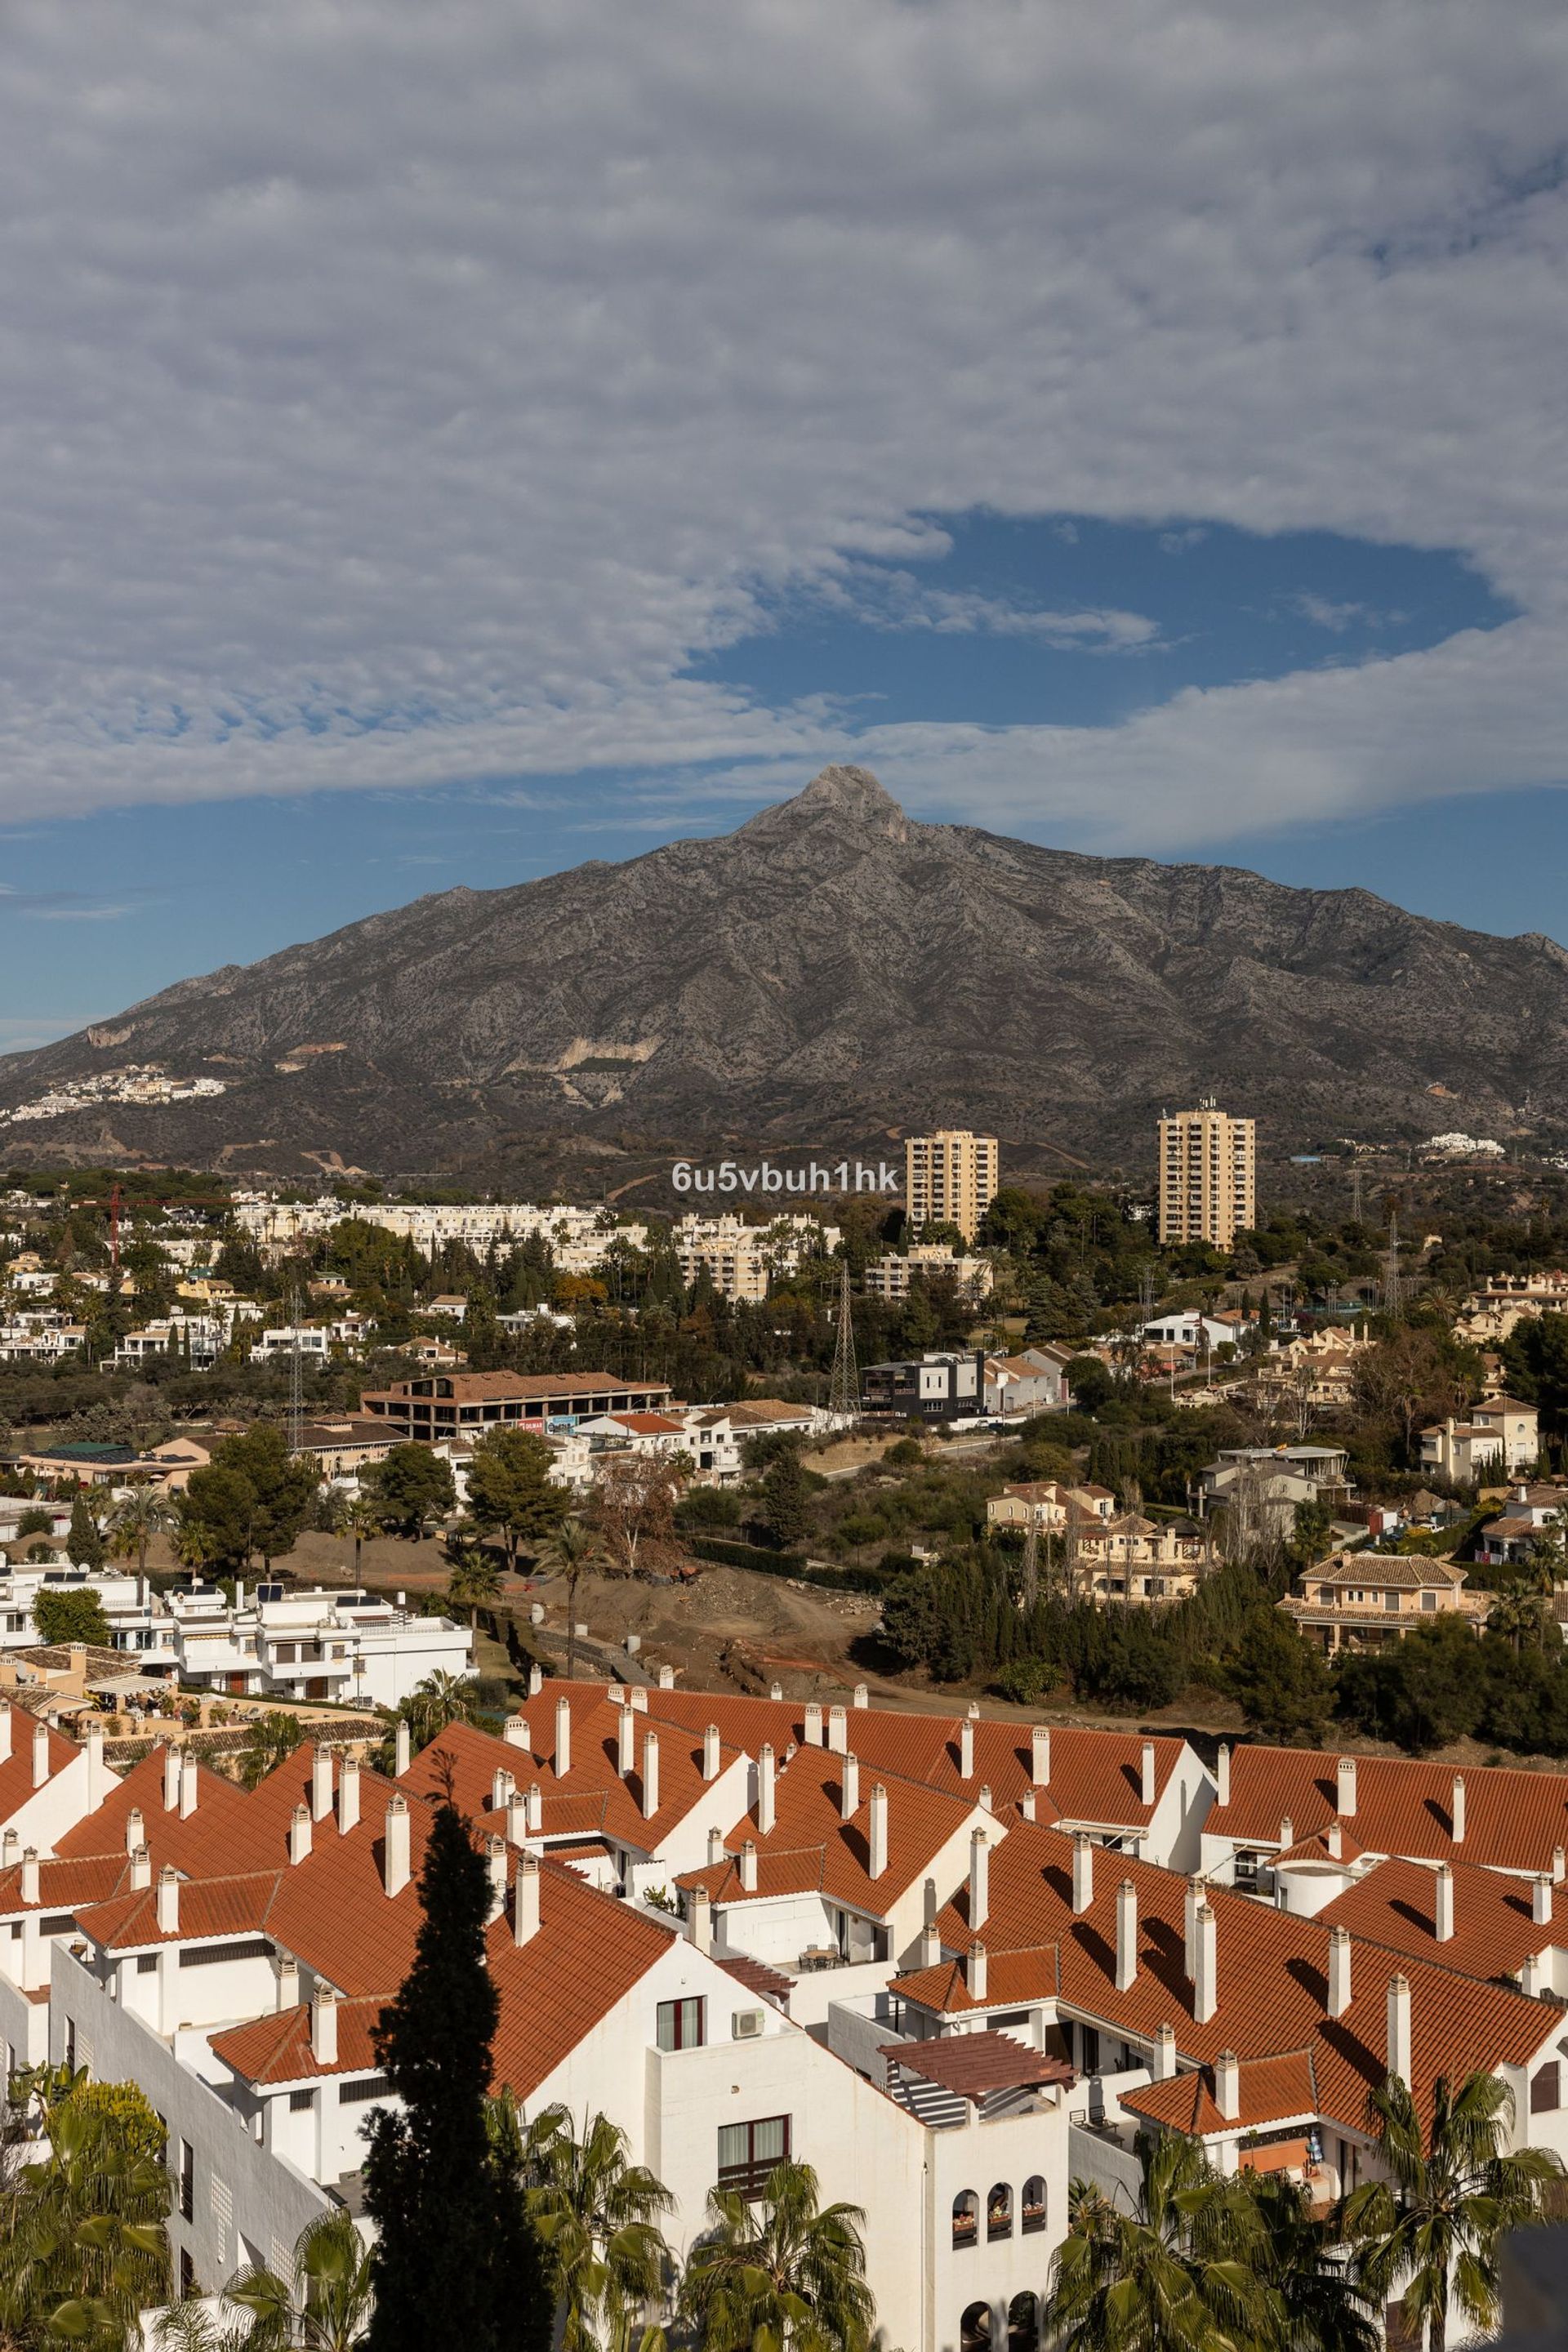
844,1384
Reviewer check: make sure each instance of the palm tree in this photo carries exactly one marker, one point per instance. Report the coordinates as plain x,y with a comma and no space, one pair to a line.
136,1519
274,1737
1518,1614
1179,2273
361,1519
475,1580
1433,2227
1315,2306
597,2217
782,2275
570,1550
323,2306
440,1699
84,2249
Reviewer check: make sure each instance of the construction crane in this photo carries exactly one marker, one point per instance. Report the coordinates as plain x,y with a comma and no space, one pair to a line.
115,1202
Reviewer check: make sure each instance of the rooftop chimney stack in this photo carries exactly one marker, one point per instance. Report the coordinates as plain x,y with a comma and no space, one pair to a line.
1338,1971
639,1699
1040,1756
502,1783
288,1982
516,1817
348,1796
667,1677
966,1750
837,1731
1222,1774
5,1731
1541,1902
320,1783
1344,1786
1126,1936
535,1679
979,1879
814,1723
534,1802
1456,1808
30,1875
395,1865
1443,1908
931,1944
1399,2028
403,1754
1206,1977
171,1779
1082,1871
849,1787
1163,2065
1334,1838
168,1901
189,1786
1287,1833
495,1866
1529,1977
1147,1786
525,1900
1194,1895
562,1738
324,2027
649,1775
140,1869
1227,2086
701,1922
10,1849
879,1861
711,1756
975,1971
300,1833
626,1742
1027,1804
766,1808
515,1731
748,1866
136,1829
97,1771
40,1753
862,1696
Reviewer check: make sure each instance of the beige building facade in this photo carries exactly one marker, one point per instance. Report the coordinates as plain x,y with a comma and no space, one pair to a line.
1208,1176
951,1178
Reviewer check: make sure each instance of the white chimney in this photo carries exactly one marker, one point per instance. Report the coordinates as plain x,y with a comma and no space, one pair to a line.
535,1677
639,1699
30,1875
975,1971
701,1919
1193,1896
710,1759
168,1901
1162,2063
1287,1833
979,1879
1222,1774
649,1775
1559,1864
1206,1977
1027,1804
849,1787
536,1805
1456,1810
748,1866
300,1833
288,1982
10,1848
525,1900
765,1804
1040,1756
1082,1871
515,1731
5,1731
1227,2086
715,1846
1334,1839
626,1742
562,1738
403,1754
862,1696
1147,1790
837,1731
966,1750
931,1944
1338,1971
502,1783
1126,1935
1443,1906
189,1786
140,1869
775,1692
814,1723
40,1754
97,1771
879,1861
348,1796
984,1797
1541,1902
667,1677
395,1867
517,1817
136,1829
1344,1786
1399,2028
324,2027
495,1867
1529,1977
320,1783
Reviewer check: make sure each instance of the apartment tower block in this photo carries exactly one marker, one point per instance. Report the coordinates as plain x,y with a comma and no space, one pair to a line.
950,1177
1208,1176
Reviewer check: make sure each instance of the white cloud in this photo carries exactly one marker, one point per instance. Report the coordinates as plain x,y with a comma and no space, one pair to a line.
395,395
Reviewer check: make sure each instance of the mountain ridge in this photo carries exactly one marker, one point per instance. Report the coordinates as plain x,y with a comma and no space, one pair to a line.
832,972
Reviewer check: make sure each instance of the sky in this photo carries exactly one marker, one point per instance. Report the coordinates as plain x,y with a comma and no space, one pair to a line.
439,445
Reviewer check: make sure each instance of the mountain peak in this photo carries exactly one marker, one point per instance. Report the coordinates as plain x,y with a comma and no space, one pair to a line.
847,796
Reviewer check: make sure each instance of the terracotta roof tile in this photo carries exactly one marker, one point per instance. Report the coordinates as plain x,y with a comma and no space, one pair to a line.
591,1798
1494,1927
1513,1819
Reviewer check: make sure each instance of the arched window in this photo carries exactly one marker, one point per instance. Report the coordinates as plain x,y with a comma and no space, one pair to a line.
974,2330
966,2218
1023,2324
999,2210
1034,2215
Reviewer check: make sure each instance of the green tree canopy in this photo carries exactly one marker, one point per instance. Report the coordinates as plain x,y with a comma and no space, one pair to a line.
71,1614
509,1489
412,1487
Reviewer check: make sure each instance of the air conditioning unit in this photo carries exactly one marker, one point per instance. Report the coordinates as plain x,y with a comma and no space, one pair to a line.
746,2024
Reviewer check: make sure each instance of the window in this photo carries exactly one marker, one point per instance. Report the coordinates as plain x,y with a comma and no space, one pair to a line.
999,2210
187,2271
369,2086
206,1956
682,2024
966,2218
748,2153
1034,2215
301,2101
1428,1600
57,1923
974,2328
1023,2324
1545,2089
146,1964
188,2180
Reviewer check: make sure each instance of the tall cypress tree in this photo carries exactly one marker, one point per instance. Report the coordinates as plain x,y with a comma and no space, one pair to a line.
456,2261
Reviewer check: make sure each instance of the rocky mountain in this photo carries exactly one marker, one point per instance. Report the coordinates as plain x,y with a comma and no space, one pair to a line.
830,975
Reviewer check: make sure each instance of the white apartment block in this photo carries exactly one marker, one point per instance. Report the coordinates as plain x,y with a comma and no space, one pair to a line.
1207,1184
890,1276
350,1648
578,1237
742,1260
950,1178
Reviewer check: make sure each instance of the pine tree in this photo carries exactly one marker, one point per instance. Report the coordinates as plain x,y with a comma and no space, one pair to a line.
84,1544
455,2260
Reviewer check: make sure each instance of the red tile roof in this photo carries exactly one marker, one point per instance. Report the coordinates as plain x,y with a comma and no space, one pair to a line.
1513,1819
209,1840
1494,1927
1269,2091
591,1800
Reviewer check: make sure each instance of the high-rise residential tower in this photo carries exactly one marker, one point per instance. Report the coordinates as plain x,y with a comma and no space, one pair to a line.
950,1177
1208,1176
